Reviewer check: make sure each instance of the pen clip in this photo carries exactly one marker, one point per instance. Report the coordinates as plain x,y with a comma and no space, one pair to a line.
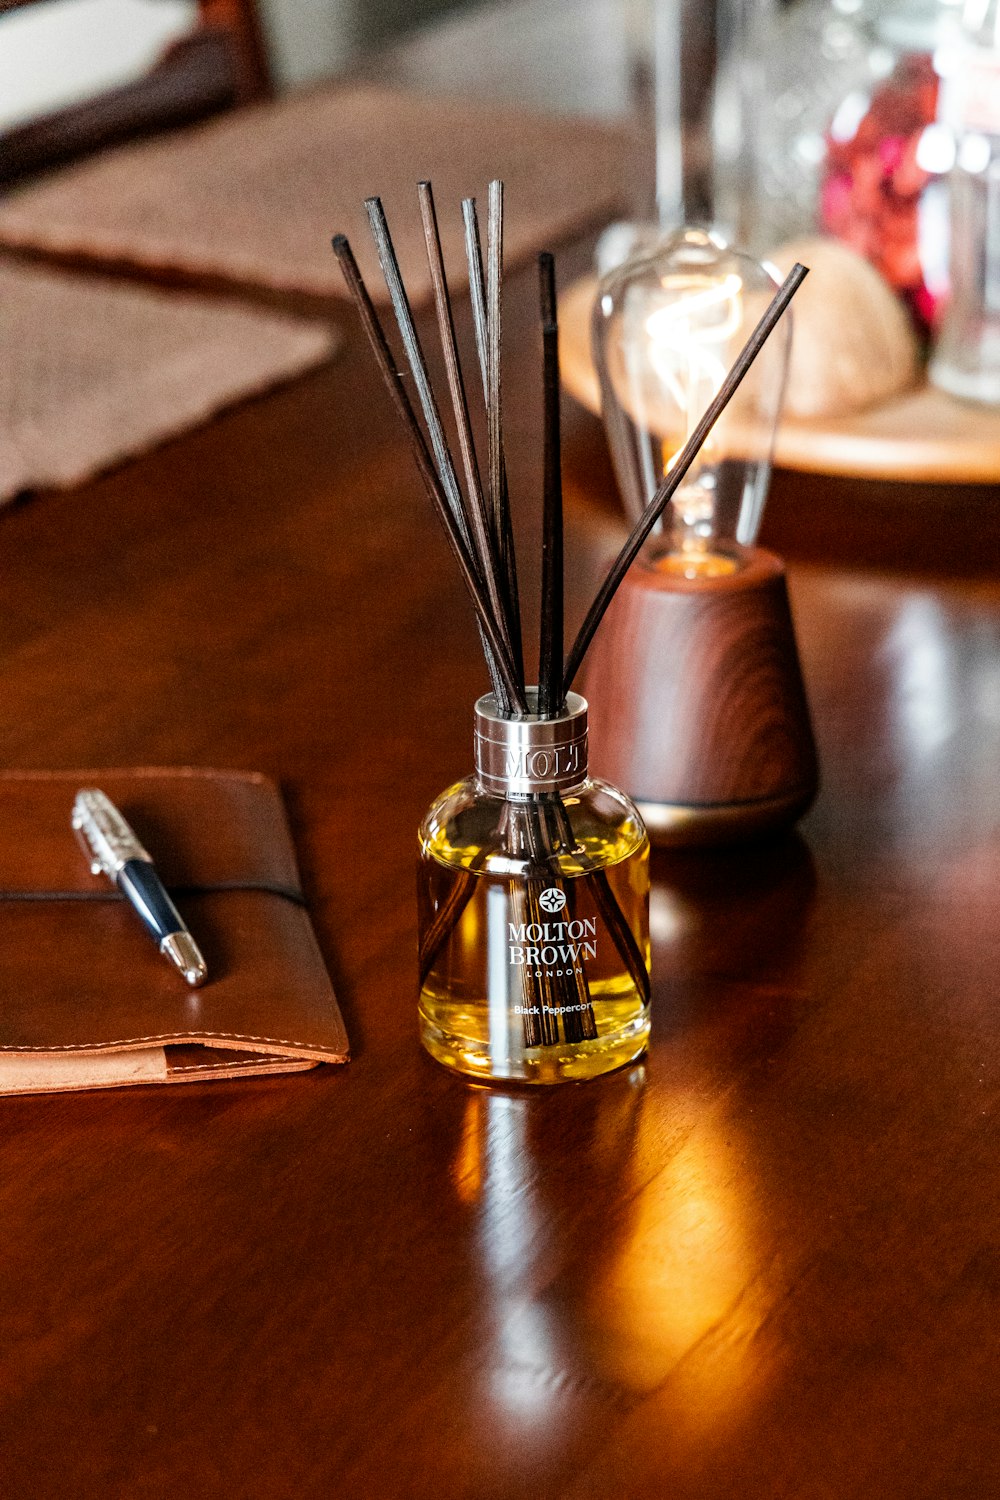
96,867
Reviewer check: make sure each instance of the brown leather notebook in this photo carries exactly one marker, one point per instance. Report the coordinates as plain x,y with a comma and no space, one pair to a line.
87,1001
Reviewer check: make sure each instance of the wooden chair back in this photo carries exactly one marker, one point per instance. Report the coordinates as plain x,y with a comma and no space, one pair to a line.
221,63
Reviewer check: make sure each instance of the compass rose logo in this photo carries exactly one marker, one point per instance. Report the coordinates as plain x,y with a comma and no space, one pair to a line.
552,899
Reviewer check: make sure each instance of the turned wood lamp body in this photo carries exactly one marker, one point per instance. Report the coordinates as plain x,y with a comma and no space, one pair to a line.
697,705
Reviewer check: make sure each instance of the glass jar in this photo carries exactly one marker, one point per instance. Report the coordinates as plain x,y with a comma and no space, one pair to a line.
666,330
533,889
801,63
880,190
844,99
966,359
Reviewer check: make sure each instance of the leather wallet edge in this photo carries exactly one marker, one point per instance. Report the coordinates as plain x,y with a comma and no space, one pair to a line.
55,1073
265,1046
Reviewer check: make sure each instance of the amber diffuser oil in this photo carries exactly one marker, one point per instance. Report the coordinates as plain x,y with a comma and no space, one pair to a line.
534,901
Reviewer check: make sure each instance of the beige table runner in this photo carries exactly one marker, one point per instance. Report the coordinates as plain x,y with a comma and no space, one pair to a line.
255,196
93,371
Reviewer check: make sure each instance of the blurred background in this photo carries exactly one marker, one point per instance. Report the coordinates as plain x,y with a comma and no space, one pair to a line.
873,124
574,54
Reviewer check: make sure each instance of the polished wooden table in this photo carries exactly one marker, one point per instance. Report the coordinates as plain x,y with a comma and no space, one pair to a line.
765,1263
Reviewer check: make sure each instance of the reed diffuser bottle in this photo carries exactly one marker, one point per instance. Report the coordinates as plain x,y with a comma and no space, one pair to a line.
534,894
533,878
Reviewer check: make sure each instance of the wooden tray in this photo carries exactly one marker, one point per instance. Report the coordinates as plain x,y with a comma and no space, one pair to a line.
924,435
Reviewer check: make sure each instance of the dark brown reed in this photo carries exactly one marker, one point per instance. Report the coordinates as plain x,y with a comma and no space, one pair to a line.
494,405
494,343
500,506
415,358
511,692
642,528
482,536
551,696
401,401
477,287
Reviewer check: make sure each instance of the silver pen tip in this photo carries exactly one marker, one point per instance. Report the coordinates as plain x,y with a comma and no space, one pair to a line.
184,953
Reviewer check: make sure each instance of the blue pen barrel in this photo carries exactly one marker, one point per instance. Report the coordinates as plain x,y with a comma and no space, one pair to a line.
140,884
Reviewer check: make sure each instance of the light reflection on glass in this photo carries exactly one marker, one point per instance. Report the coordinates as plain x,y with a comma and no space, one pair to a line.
498,977
667,327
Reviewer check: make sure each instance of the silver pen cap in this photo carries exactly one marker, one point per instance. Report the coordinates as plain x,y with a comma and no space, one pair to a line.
103,834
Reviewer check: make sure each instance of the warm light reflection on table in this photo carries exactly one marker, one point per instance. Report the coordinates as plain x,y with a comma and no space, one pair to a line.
680,1275
493,1171
663,1274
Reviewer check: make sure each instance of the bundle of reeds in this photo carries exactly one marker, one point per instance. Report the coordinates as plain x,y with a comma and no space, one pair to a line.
476,520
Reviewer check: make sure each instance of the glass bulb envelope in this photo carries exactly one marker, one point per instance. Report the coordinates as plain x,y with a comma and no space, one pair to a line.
667,327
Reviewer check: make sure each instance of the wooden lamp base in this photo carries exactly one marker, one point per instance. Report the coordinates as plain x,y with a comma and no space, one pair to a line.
697,705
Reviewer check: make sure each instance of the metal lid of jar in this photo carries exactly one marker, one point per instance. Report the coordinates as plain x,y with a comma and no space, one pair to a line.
527,756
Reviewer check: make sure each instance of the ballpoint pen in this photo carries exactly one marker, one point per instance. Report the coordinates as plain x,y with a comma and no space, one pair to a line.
112,849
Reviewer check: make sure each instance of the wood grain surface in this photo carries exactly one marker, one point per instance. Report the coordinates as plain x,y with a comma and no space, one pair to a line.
765,1263
695,691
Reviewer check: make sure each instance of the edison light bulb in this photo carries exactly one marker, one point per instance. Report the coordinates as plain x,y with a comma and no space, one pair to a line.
667,327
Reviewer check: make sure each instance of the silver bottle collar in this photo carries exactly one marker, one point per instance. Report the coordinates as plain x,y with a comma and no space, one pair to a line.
524,757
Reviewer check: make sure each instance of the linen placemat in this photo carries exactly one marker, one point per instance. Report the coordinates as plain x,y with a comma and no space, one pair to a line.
93,371
255,196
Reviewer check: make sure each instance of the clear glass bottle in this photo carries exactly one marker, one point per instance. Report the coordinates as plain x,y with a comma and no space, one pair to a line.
840,96
773,105
666,330
533,887
966,359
